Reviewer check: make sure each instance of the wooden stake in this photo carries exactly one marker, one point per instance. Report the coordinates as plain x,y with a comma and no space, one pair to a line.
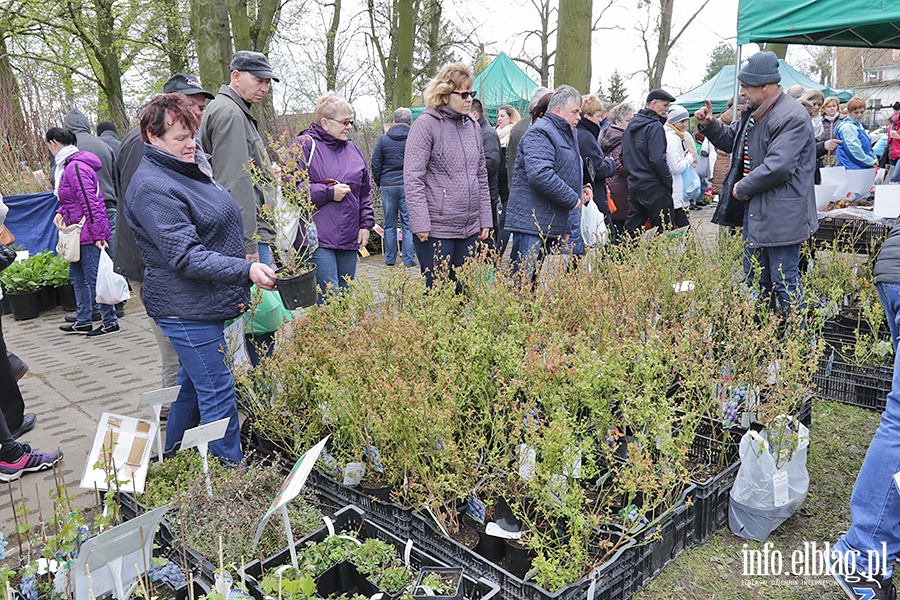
37,494
12,504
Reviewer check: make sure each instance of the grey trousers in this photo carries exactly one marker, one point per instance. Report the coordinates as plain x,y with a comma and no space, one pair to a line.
167,353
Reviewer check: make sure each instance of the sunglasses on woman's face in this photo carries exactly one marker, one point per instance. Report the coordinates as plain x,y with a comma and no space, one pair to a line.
465,95
345,122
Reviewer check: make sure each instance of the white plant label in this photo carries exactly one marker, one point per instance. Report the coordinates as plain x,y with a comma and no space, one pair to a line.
495,530
781,488
159,397
121,444
527,461
897,480
204,434
353,473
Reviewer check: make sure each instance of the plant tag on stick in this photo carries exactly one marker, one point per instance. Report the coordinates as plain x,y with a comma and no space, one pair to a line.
200,437
120,452
156,399
353,473
527,461
291,487
897,480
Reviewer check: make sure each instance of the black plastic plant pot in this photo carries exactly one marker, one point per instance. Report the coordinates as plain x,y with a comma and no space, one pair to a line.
344,578
298,291
451,584
25,306
5,306
518,558
47,298
66,295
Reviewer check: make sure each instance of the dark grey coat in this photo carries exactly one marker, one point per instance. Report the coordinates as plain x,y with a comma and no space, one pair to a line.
780,184
887,267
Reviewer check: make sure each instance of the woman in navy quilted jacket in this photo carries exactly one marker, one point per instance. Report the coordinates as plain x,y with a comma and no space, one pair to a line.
78,191
189,230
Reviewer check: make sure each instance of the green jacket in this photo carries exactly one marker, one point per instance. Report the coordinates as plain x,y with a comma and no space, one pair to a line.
229,133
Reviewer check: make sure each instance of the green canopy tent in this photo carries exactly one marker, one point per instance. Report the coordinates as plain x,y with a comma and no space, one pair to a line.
501,82
860,23
720,88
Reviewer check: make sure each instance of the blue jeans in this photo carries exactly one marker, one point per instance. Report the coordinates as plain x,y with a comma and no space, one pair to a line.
207,387
527,252
434,253
890,301
84,279
875,503
895,174
393,200
779,271
332,269
575,245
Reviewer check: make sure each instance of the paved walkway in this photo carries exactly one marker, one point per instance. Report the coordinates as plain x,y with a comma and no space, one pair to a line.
72,380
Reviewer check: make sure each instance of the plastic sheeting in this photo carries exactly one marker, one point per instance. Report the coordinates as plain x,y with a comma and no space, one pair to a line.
30,219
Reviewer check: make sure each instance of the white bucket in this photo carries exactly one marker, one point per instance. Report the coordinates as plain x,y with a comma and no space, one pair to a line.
860,182
836,176
887,201
824,194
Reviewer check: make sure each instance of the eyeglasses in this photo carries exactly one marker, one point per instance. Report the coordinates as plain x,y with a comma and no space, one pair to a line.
465,95
345,122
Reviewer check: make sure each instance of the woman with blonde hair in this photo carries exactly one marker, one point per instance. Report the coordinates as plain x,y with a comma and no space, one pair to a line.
340,188
813,100
445,175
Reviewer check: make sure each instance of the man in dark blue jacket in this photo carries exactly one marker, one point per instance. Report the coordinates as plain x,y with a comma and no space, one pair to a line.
387,171
547,183
644,157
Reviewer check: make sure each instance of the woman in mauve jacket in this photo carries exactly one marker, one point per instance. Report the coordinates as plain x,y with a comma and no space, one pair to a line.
445,174
77,188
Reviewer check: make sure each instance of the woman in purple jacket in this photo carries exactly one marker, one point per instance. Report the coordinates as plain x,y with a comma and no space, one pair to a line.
341,189
445,175
79,195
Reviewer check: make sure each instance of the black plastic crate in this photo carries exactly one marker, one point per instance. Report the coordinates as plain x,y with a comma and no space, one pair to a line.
615,579
852,235
352,518
856,385
711,499
334,496
668,536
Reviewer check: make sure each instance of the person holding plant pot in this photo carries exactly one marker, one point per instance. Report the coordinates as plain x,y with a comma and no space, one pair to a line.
196,275
79,195
341,190
445,175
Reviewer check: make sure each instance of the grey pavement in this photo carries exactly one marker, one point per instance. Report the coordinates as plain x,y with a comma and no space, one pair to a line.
72,380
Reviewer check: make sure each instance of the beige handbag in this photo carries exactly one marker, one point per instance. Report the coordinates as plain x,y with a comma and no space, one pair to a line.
69,246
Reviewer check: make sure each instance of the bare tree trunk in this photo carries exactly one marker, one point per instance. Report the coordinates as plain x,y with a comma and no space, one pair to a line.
212,39
406,28
780,50
665,40
112,105
330,45
434,37
573,50
12,120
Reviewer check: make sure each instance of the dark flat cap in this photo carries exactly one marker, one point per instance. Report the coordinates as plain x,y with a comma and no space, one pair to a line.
179,83
659,94
252,62
896,105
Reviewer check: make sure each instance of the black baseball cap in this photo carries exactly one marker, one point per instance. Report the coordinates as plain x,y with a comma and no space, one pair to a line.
252,62
179,83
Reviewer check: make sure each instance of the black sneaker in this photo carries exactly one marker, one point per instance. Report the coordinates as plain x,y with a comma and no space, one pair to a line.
104,330
72,318
859,586
73,328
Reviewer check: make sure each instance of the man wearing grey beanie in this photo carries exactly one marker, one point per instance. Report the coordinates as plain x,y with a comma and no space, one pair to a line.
769,189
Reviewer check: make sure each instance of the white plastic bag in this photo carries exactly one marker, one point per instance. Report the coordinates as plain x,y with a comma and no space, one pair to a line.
593,225
287,223
111,287
772,481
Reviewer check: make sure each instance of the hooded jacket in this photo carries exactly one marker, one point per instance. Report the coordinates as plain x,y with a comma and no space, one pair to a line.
547,180
644,152
80,196
338,223
387,159
78,124
611,143
110,138
445,176
188,228
782,205
229,132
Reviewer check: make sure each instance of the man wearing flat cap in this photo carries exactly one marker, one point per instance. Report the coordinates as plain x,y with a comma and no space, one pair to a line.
644,158
769,189
230,133
128,261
